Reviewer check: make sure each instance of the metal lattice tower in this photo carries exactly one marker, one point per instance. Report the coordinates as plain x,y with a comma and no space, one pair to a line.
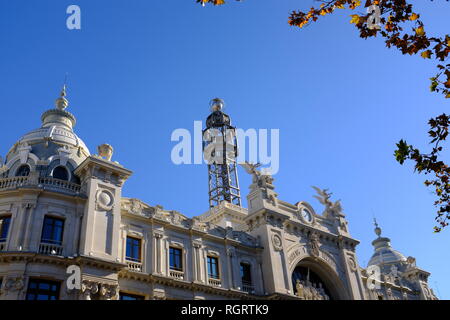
220,151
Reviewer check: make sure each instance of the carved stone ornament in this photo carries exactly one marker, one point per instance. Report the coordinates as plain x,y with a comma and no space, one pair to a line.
105,151
103,291
277,242
14,283
105,200
136,206
352,263
310,291
314,244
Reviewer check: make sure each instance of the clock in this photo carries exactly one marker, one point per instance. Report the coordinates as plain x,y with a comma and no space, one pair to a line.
306,215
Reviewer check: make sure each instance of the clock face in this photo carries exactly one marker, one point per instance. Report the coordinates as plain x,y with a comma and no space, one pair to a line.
306,215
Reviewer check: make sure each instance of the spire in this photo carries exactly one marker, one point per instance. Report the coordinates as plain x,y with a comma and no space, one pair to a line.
62,103
377,228
59,115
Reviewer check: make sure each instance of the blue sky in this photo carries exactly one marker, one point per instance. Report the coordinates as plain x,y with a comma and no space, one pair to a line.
140,69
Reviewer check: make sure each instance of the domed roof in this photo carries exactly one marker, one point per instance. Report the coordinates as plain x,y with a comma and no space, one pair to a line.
56,132
384,253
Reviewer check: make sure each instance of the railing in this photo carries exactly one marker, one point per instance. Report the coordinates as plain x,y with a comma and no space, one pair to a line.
176,274
50,249
248,287
2,245
51,183
60,184
215,282
11,183
134,266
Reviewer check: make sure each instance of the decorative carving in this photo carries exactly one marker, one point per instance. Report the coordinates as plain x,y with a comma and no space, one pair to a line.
352,263
262,180
105,200
332,209
310,291
314,244
14,283
105,151
104,291
277,242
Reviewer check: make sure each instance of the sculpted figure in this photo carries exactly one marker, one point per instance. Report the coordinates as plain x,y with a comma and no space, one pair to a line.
299,287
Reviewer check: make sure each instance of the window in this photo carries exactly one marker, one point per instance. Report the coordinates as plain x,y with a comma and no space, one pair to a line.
213,267
246,275
4,227
176,259
133,249
39,289
52,231
60,173
128,296
23,171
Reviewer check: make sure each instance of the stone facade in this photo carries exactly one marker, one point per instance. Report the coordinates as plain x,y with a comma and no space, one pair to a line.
60,206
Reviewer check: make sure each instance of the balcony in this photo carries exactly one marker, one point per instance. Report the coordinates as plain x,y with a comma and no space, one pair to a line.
50,249
215,282
134,266
176,274
43,182
248,287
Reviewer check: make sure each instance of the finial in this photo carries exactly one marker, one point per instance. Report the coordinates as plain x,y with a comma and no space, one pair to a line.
377,228
216,104
61,103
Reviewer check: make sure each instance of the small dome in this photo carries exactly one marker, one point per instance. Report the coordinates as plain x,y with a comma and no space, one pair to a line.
384,253
55,133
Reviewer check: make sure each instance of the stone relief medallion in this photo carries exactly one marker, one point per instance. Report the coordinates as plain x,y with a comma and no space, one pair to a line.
105,200
352,263
277,242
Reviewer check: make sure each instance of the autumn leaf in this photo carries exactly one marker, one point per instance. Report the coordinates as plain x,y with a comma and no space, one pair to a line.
413,17
355,19
426,54
420,31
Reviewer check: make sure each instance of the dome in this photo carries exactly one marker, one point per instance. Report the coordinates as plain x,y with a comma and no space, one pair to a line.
54,143
384,254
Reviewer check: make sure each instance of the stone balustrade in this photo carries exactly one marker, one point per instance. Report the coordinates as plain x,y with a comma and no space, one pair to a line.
215,282
42,182
176,274
50,249
134,266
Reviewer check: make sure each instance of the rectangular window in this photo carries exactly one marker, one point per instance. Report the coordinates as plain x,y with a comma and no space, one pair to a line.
39,289
4,228
128,296
176,259
246,275
133,252
213,267
52,231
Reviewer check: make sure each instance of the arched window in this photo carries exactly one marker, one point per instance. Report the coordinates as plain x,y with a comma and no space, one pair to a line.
23,171
60,173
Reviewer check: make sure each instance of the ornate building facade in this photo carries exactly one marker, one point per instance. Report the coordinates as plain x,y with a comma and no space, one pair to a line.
62,210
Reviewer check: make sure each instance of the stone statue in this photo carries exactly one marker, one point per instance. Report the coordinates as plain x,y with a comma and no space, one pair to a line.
314,244
299,288
105,151
332,209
